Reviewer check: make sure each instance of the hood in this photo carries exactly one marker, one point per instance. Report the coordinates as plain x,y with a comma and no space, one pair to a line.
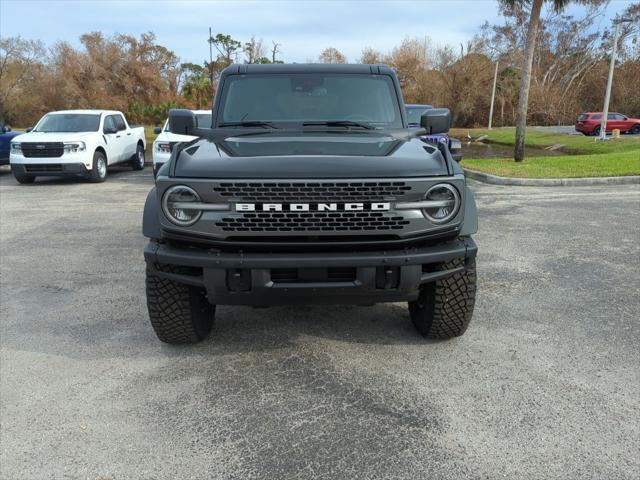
173,137
310,155
54,136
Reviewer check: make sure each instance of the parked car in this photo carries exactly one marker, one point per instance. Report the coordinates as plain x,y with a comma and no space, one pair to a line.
590,123
165,141
77,142
309,188
6,135
414,113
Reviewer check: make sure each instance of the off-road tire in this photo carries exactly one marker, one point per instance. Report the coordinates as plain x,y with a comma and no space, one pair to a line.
24,178
445,307
97,175
179,313
137,161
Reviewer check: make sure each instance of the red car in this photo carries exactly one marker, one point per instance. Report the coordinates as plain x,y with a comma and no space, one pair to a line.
589,123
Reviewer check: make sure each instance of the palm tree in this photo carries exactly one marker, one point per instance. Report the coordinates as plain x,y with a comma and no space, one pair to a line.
529,49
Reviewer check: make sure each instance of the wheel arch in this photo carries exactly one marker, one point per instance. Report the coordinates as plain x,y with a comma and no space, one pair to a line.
103,151
150,218
470,222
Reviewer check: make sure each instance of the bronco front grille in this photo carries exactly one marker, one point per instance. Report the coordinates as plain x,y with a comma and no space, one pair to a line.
42,149
312,221
312,191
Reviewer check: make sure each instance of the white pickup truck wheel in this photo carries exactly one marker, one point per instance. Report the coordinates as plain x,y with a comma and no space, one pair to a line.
24,177
137,162
99,170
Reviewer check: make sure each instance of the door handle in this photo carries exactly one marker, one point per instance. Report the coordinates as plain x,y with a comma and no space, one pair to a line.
117,136
129,133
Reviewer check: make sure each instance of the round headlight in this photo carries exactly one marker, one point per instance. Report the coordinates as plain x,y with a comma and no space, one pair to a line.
446,203
175,204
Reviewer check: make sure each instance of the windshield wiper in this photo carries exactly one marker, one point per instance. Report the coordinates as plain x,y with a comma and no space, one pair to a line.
249,123
340,123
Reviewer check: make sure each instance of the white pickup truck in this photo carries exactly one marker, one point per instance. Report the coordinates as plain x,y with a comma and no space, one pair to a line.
77,142
164,142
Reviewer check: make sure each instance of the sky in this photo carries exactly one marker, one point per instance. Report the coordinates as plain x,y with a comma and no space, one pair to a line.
303,28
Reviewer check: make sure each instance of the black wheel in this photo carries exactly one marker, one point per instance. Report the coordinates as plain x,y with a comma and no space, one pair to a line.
99,170
635,129
596,131
137,162
24,177
445,307
179,313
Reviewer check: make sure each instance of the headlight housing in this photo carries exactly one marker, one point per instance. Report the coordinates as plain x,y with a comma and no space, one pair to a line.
16,147
73,147
446,203
163,147
175,204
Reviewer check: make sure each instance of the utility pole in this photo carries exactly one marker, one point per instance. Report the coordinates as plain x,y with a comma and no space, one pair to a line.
210,56
607,95
493,95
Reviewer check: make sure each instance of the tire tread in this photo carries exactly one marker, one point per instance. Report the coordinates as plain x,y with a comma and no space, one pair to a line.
178,313
445,307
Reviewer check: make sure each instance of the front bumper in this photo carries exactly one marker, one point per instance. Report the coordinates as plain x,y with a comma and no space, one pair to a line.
250,279
50,169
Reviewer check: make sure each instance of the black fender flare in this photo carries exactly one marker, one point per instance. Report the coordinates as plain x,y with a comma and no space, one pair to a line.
470,222
150,217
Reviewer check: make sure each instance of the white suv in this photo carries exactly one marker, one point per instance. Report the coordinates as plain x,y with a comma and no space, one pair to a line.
164,142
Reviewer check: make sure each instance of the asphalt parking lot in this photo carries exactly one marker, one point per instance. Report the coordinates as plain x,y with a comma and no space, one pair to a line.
544,384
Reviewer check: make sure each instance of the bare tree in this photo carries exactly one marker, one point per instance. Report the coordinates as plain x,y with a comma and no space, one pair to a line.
332,55
254,51
274,51
369,55
19,60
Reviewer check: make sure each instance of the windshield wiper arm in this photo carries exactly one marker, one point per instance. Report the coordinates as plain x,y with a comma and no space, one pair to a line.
249,123
341,123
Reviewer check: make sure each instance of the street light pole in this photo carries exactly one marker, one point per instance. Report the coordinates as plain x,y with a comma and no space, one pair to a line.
607,96
493,95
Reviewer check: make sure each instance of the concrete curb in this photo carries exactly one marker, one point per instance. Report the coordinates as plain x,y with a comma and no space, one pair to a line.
551,182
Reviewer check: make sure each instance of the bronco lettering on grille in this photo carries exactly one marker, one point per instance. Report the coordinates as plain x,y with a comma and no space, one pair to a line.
313,207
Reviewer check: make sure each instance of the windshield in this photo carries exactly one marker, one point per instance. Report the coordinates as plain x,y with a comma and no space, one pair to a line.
317,97
69,122
414,114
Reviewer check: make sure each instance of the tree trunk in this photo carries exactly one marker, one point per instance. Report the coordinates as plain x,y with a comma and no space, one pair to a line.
525,82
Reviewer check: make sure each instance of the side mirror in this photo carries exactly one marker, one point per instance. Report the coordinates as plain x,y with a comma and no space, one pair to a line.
28,129
6,128
109,130
436,120
182,121
157,130
455,147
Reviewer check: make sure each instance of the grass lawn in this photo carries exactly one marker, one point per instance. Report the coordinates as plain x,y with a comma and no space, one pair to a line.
586,157
604,165
573,144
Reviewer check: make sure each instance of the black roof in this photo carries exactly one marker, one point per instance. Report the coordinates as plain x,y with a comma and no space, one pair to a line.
307,68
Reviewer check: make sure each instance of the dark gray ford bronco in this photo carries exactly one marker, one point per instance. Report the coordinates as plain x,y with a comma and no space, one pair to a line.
308,188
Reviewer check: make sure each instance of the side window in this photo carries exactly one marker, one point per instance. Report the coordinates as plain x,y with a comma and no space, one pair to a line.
597,116
619,116
109,123
612,116
120,125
